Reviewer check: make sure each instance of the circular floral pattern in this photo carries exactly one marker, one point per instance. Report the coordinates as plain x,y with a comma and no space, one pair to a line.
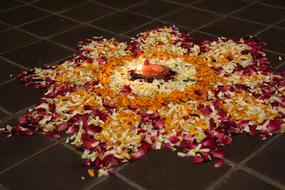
185,75
218,89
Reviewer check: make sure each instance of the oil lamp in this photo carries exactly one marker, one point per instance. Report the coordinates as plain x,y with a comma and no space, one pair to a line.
149,71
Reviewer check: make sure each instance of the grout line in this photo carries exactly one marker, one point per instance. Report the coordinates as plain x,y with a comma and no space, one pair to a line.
29,2
183,4
85,23
275,52
250,21
150,17
262,177
28,22
12,8
235,167
32,4
206,33
6,111
225,16
12,62
70,147
269,5
74,20
190,6
2,187
123,9
20,47
206,10
280,65
79,23
129,182
269,27
28,158
7,81
96,182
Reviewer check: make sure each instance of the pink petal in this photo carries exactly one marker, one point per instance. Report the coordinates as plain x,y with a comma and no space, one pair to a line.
219,163
101,60
227,140
218,153
142,151
23,120
62,127
154,115
208,143
159,124
173,139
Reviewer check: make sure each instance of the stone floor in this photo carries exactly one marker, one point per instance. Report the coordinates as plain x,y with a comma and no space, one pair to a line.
38,32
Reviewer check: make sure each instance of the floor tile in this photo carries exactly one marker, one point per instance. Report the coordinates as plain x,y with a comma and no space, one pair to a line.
184,1
7,71
243,181
275,59
280,68
28,1
274,39
281,25
279,3
163,169
122,37
198,36
3,26
118,4
72,37
192,18
88,12
23,146
270,161
146,27
15,96
121,22
4,5
221,6
155,8
57,168
232,28
38,54
3,116
262,14
22,15
49,26
241,147
58,5
13,38
112,182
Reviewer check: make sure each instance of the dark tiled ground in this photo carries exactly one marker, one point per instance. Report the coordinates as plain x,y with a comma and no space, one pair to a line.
38,32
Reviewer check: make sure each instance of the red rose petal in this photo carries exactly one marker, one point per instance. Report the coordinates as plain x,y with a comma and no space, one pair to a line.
197,160
219,163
